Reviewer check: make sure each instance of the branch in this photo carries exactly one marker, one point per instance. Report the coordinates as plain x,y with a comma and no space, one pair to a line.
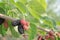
7,17
46,30
13,19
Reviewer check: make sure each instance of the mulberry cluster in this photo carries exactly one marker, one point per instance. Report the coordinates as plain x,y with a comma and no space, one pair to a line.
22,25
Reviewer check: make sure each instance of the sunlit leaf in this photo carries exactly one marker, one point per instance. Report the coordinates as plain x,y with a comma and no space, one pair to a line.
42,32
38,6
23,1
48,22
58,22
33,31
2,5
42,3
33,13
20,6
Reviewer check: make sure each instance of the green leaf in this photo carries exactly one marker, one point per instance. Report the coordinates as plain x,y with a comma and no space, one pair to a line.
33,13
2,10
58,22
20,6
23,1
42,3
3,30
35,5
42,32
2,5
48,22
32,32
14,33
57,38
12,1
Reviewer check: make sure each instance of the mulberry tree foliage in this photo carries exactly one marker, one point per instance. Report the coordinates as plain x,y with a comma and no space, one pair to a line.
33,11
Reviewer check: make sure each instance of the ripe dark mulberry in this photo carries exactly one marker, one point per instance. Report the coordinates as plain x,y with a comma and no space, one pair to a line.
20,29
1,20
15,23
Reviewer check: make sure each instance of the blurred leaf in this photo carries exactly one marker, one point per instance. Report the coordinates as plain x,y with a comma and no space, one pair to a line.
39,7
2,10
20,6
14,33
58,22
57,38
33,31
2,5
23,1
48,22
42,3
2,30
42,32
33,13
